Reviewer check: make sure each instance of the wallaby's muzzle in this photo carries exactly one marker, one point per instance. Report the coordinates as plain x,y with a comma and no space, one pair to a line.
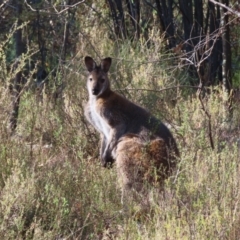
95,91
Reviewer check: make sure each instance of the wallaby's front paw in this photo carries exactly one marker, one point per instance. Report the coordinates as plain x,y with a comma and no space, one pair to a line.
107,159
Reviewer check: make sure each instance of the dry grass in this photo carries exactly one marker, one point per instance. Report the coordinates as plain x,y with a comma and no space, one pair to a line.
53,187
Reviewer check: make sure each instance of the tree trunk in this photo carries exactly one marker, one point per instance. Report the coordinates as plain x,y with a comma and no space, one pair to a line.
215,57
187,17
226,63
165,13
134,12
17,85
118,18
226,50
198,23
161,16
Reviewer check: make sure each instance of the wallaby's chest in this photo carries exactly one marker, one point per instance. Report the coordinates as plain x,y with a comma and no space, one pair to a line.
99,121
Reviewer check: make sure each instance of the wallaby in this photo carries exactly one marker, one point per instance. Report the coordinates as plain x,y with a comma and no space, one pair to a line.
113,116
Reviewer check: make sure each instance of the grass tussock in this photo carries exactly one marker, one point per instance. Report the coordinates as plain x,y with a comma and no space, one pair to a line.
53,187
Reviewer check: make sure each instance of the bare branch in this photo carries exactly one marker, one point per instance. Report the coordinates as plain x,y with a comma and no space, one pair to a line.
7,3
57,12
160,90
200,53
224,6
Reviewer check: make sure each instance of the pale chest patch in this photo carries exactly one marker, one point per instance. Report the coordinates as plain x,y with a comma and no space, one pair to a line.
100,123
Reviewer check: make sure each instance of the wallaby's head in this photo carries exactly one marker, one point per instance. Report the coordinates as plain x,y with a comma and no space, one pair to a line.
98,82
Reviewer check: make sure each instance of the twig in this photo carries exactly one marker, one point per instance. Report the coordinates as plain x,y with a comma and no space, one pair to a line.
201,85
57,12
209,121
6,3
226,7
160,90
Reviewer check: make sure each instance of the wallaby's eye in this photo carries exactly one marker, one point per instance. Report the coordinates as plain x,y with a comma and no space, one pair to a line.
102,80
90,79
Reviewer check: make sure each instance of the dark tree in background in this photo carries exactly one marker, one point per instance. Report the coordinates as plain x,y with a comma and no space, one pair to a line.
196,25
44,37
17,84
165,14
134,13
226,48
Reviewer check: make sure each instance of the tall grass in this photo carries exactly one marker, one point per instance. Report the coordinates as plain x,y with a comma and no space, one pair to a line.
53,187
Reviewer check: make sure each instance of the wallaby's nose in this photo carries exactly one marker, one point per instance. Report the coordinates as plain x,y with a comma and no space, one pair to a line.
95,91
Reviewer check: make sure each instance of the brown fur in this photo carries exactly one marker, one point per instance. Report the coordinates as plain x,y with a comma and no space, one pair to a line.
114,116
140,164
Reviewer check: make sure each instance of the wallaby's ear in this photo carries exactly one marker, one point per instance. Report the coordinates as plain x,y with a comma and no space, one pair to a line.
105,64
90,63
